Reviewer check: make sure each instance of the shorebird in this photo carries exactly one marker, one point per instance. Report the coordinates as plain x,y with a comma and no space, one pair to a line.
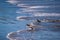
33,27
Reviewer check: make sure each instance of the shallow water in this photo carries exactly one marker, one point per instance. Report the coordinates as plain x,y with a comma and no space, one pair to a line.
39,33
8,22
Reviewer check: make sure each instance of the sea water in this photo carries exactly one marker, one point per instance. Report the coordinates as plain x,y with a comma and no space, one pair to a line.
9,10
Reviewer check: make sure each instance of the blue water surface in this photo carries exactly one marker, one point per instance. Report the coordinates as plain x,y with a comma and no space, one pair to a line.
8,22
